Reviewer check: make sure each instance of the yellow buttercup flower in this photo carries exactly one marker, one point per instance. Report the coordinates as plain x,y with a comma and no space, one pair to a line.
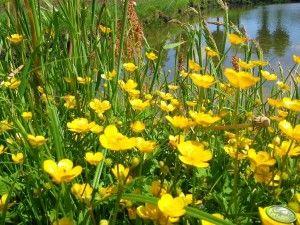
139,105
166,107
67,79
268,76
3,201
112,139
27,116
287,148
210,52
275,102
137,126
282,113
171,207
63,171
236,40
246,66
109,75
291,104
130,67
99,106
148,211
259,62
107,191
12,83
148,97
36,141
104,29
5,125
183,73
15,38
94,158
288,130
151,56
145,146
194,66
128,86
260,159
104,222
242,80
283,86
175,102
152,212
10,141
120,172
204,119
204,81
232,152
191,103
18,158
194,154
296,59
158,188
180,122
82,192
64,221
217,215
70,101
80,125
84,80
2,149
174,141
165,96
266,176
135,161
95,128
243,141
226,88
189,199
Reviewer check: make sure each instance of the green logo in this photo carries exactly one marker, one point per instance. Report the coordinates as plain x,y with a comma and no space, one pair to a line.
281,214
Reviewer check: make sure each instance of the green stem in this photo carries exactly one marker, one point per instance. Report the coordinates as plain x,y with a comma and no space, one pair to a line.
99,170
194,184
117,204
236,160
122,39
155,75
284,159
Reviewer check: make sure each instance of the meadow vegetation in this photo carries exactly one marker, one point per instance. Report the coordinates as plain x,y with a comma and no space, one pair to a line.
93,131
148,9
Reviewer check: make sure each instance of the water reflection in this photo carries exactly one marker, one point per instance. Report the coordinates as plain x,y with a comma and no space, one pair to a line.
275,27
264,35
218,34
280,36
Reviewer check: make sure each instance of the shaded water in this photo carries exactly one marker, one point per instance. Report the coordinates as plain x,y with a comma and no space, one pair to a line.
275,27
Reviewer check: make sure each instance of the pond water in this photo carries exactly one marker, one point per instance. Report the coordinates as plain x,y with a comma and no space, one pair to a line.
275,27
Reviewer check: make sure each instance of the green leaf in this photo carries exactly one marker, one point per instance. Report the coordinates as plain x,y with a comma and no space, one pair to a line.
4,185
173,45
190,211
56,129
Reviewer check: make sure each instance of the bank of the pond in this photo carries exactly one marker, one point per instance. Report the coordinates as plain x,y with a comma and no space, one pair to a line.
149,10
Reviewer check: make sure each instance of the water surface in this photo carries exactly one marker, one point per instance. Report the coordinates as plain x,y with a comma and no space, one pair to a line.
275,27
